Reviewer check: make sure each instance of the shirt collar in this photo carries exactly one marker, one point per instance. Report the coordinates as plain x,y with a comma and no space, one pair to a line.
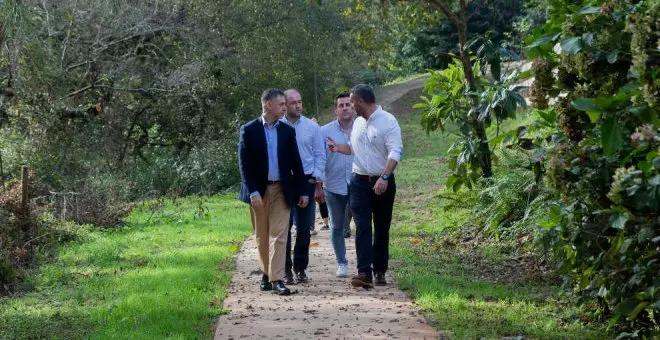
336,122
265,123
296,123
379,110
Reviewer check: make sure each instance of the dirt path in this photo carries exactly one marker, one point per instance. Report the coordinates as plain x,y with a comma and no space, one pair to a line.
387,95
327,307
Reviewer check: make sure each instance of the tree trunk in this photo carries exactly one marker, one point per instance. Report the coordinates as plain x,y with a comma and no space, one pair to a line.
484,147
2,172
23,221
316,89
460,22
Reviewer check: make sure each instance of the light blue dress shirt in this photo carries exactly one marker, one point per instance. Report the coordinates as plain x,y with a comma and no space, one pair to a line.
311,146
338,167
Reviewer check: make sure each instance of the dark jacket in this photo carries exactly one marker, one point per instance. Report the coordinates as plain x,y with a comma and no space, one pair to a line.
253,161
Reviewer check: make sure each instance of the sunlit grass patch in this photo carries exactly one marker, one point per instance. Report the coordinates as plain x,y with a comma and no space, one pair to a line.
446,289
163,275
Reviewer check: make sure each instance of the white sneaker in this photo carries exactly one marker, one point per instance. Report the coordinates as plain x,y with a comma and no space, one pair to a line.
342,270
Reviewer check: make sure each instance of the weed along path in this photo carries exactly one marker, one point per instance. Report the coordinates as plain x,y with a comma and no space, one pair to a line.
326,307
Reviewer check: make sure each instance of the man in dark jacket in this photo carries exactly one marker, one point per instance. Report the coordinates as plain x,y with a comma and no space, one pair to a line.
272,177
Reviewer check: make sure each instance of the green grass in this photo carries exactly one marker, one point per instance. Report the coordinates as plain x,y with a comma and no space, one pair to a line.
464,307
466,292
160,276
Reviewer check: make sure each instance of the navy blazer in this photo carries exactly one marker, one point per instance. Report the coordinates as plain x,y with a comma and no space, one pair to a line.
253,161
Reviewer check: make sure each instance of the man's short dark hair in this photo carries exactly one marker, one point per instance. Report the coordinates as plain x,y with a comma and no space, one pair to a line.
271,94
341,95
365,92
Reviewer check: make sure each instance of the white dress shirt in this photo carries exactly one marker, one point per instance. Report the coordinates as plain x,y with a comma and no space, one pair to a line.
311,146
374,141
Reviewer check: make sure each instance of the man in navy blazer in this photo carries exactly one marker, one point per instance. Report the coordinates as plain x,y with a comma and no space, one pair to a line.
272,182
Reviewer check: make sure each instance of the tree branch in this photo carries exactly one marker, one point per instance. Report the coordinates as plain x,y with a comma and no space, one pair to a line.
123,89
68,33
447,12
71,67
50,30
450,55
82,90
141,34
141,89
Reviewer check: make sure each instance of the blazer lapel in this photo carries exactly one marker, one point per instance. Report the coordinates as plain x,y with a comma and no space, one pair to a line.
260,135
281,144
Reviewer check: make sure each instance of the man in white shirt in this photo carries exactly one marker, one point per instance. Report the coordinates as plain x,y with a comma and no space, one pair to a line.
338,173
312,153
377,148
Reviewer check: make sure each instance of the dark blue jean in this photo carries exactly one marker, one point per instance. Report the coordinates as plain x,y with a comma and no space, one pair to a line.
366,207
304,219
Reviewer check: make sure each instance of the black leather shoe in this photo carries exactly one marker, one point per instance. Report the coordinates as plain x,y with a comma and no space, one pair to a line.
347,234
379,279
301,277
288,279
280,289
362,280
265,284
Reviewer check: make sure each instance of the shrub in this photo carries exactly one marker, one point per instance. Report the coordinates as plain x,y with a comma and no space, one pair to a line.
605,163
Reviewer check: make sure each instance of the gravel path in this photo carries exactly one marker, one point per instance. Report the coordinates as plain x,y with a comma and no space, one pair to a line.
325,308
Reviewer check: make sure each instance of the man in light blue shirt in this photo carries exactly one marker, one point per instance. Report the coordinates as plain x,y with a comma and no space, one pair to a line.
338,173
312,153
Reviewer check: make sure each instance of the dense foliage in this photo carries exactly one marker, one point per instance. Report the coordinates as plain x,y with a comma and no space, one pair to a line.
411,36
605,163
591,152
117,98
109,102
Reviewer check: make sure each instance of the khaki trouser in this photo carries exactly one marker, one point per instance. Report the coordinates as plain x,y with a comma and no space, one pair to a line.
271,223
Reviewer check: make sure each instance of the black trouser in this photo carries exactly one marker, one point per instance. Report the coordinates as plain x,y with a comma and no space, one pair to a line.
366,207
323,209
304,218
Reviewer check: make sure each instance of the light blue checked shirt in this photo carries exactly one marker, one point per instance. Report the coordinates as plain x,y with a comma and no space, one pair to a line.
338,167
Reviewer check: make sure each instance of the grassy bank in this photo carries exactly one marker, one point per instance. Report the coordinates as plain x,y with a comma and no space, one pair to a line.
163,275
480,290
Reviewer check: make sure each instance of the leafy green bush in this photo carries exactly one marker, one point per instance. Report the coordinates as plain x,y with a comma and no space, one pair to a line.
513,202
605,164
449,106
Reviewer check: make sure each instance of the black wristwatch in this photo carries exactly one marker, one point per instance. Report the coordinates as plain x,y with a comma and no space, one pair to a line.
385,177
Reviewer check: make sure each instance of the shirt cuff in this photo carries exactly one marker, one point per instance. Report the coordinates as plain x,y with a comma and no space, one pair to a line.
256,193
395,155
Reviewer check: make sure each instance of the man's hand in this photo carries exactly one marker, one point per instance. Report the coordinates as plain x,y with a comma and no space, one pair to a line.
380,187
319,195
256,201
340,148
303,201
332,145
